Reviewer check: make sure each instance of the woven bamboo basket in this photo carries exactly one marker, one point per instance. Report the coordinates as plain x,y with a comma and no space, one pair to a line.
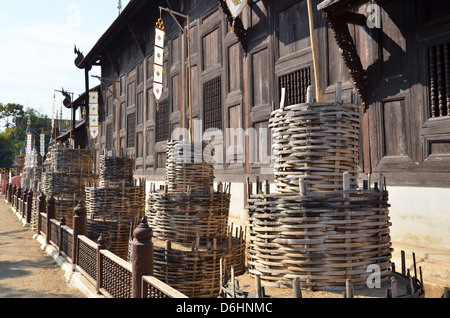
179,217
318,226
195,271
324,238
72,160
317,142
116,170
189,212
186,170
116,206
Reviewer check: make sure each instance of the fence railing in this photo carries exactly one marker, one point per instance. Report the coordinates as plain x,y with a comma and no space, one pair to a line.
112,276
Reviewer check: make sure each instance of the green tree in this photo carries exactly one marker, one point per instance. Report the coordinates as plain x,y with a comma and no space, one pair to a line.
14,136
7,150
9,113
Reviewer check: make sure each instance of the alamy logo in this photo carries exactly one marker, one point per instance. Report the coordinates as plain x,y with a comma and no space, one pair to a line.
373,14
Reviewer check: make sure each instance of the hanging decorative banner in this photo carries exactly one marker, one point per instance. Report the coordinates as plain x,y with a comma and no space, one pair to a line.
93,114
236,7
158,67
29,136
42,144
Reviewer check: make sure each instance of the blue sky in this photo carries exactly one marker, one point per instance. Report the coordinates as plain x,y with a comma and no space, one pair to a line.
37,40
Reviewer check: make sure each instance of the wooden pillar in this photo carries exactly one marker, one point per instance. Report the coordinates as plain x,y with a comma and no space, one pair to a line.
29,207
41,209
100,246
79,228
51,213
24,201
141,256
61,224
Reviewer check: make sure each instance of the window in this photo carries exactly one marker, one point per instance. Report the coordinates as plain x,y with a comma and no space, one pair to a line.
296,84
439,79
162,121
212,100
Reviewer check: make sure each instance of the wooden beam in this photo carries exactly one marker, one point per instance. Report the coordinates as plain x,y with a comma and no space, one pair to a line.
353,18
338,7
140,42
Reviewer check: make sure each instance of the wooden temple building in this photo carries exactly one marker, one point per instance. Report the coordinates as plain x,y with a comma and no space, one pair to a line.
391,58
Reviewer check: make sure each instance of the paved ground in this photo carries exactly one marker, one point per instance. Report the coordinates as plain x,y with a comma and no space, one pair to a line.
25,270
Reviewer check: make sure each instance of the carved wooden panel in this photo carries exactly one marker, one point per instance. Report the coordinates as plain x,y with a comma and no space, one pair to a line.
293,29
140,108
393,42
131,94
234,68
139,145
259,19
261,74
394,128
211,50
176,93
150,104
122,116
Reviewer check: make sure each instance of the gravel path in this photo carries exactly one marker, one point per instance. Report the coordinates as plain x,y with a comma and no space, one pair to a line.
25,270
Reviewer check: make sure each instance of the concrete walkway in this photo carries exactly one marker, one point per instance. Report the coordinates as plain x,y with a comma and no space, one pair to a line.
26,271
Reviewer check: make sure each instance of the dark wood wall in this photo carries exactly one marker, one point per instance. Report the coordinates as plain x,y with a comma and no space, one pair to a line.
237,88
410,93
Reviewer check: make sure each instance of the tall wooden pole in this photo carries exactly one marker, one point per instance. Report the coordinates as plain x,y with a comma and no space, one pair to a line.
319,91
188,35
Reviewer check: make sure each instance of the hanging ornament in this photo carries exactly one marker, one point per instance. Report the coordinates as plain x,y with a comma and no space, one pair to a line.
158,63
236,7
93,114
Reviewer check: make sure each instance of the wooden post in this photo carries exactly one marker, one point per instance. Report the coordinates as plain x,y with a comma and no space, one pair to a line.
319,91
41,209
233,283
141,256
349,289
79,228
302,185
403,263
258,286
100,246
394,289
51,212
29,206
24,201
297,289
61,224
